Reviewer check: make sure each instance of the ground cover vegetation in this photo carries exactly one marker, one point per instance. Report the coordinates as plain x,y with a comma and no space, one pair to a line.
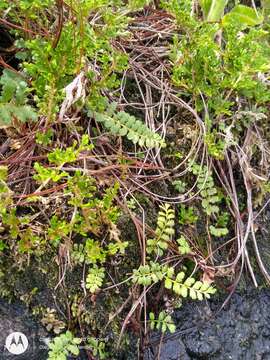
134,162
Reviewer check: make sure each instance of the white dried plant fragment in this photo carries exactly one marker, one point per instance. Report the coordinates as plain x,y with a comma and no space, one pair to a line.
74,91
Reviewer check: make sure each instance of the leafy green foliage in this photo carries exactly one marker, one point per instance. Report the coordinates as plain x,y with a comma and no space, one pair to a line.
122,124
47,174
221,226
149,274
94,279
5,199
13,99
60,157
188,287
58,230
215,145
5,192
220,73
98,348
187,215
28,241
164,231
213,9
44,138
208,191
183,246
63,345
211,199
52,66
180,186
90,252
243,15
182,10
164,322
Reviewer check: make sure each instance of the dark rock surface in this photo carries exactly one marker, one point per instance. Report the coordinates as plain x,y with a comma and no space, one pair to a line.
15,318
239,331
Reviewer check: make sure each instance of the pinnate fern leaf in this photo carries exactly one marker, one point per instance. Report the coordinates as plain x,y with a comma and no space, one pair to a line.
196,290
164,231
123,124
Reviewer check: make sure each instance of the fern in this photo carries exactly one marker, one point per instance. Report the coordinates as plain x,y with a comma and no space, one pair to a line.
123,124
221,226
164,231
22,113
218,232
190,287
208,191
149,274
153,273
64,345
183,246
163,322
210,199
95,279
13,99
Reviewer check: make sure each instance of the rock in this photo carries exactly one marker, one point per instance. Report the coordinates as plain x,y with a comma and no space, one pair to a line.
202,346
170,350
15,318
240,331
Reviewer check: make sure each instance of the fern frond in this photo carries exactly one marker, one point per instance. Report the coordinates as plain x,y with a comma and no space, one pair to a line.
164,322
208,191
183,246
124,124
149,274
189,287
164,231
94,279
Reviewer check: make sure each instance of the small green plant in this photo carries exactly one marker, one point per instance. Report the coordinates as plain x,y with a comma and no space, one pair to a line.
44,138
163,322
58,230
196,290
189,287
164,231
187,215
183,246
5,192
208,191
51,322
122,124
64,345
97,347
211,200
13,100
94,279
179,185
149,274
44,174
